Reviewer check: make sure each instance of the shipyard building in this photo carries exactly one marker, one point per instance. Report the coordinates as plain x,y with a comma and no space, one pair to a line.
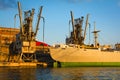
7,35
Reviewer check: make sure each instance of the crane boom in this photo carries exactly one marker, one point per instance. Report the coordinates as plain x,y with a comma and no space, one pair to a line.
72,19
20,17
86,24
39,16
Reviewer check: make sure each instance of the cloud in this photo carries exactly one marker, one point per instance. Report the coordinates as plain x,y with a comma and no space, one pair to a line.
8,4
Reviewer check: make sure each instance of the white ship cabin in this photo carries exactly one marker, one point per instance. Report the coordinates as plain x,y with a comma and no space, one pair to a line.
60,46
63,46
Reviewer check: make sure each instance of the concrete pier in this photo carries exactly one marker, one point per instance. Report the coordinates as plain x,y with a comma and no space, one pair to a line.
23,64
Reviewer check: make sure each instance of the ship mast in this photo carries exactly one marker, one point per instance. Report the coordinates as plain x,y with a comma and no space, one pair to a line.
95,32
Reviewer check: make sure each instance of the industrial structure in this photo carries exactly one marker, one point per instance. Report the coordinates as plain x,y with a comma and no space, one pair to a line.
7,36
19,47
76,53
26,48
77,36
22,48
25,45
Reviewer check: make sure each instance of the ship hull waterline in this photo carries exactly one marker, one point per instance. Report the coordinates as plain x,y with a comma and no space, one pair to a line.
76,57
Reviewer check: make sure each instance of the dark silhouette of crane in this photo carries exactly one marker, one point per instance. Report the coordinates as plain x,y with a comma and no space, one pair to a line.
76,36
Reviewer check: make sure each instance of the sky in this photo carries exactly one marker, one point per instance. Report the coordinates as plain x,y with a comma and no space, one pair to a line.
106,14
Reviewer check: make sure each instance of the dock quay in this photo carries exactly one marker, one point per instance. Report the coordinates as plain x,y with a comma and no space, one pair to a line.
22,64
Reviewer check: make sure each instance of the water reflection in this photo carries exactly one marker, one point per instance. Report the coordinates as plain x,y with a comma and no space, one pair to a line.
82,73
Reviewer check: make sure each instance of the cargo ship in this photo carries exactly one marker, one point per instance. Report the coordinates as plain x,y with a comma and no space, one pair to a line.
76,53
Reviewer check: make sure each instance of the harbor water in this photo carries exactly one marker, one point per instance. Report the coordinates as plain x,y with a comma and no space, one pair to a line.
78,73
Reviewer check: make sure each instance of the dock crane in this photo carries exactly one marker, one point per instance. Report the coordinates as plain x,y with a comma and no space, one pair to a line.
76,36
25,44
